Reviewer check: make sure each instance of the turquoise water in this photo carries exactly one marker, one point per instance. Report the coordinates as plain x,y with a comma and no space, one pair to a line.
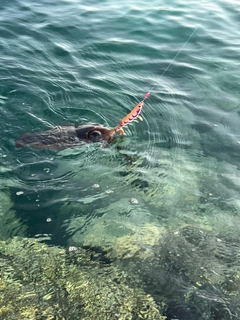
68,62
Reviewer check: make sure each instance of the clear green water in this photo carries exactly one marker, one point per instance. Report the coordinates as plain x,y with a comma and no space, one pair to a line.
74,61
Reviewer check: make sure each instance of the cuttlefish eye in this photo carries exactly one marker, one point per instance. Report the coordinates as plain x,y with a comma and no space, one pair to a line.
95,134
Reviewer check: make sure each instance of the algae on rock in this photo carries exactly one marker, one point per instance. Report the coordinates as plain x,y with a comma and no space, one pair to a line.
41,282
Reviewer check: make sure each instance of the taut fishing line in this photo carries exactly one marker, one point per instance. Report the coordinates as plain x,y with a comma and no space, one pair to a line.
147,95
134,114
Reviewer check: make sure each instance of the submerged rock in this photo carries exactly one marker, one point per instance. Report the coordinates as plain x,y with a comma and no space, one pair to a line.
41,282
193,272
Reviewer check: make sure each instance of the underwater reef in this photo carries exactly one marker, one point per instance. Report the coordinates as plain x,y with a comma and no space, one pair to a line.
193,272
172,254
42,282
186,273
192,269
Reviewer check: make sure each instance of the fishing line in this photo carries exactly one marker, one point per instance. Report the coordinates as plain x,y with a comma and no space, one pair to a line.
134,114
147,95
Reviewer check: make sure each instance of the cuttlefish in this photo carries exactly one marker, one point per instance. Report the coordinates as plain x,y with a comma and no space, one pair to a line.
67,136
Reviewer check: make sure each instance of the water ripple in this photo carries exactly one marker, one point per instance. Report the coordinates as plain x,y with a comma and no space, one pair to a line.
74,62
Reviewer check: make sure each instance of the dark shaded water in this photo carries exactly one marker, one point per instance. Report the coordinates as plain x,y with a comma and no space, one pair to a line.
71,62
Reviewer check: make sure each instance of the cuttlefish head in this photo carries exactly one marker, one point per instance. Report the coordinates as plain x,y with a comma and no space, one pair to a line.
96,133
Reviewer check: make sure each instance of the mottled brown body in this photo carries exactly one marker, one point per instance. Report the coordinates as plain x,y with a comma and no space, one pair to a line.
63,137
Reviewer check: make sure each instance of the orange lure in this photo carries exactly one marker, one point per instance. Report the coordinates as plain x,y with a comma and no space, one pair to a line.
129,118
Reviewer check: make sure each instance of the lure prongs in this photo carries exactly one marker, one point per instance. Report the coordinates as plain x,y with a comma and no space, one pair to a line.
133,115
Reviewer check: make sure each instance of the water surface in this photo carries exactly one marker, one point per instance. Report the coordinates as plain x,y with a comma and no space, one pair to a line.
71,62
